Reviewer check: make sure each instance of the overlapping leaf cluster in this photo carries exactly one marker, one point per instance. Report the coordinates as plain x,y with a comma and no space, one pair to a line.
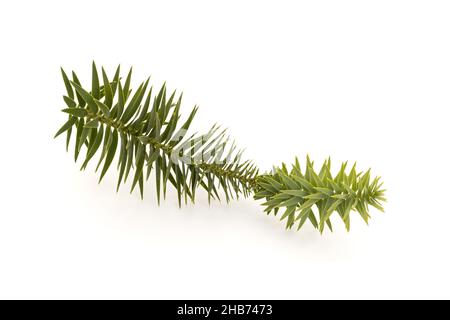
142,132
315,196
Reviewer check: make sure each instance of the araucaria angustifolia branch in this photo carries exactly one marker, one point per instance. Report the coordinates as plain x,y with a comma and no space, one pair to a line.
143,132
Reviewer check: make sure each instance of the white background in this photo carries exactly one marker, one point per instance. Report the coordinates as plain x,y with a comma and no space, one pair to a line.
364,81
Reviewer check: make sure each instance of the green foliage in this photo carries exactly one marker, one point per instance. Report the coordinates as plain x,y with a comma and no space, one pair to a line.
142,133
299,194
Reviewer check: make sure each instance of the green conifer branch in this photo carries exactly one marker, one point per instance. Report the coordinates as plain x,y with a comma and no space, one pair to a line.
143,133
299,194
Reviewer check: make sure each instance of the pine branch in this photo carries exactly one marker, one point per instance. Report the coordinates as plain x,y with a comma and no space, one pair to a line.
299,193
143,133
